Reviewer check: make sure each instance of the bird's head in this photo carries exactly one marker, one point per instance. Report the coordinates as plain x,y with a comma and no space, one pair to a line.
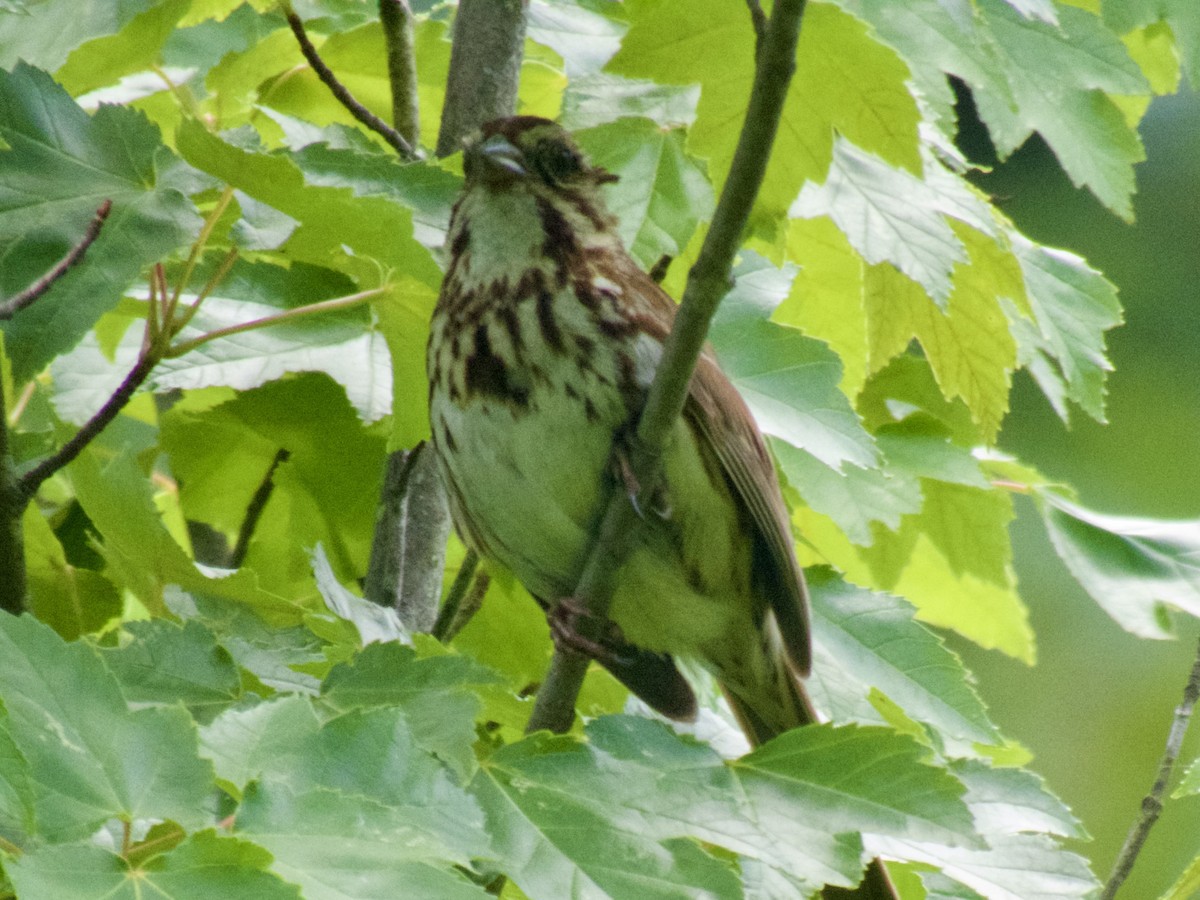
531,152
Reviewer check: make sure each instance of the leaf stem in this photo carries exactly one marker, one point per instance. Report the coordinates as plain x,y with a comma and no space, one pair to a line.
1152,804
210,222
348,302
708,281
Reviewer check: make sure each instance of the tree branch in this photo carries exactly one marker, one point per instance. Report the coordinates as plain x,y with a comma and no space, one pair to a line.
32,480
356,109
397,20
408,553
485,68
1152,804
707,283
14,305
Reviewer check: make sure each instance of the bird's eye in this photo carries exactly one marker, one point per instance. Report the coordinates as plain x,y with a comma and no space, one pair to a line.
558,162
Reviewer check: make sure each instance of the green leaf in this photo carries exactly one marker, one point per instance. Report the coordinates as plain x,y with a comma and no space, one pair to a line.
356,793
325,492
135,47
204,865
263,640
1189,784
845,83
69,164
1182,16
826,300
71,600
853,778
663,193
140,551
789,381
968,346
373,622
853,497
866,640
90,756
888,215
1073,305
424,188
340,343
1028,75
1133,567
44,33
1012,810
1014,801
599,98
164,663
546,797
336,846
18,792
244,743
331,219
438,695
646,787
585,40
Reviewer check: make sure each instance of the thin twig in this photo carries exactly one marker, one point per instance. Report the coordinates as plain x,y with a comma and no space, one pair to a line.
454,600
708,281
396,17
356,109
254,510
1152,804
466,609
32,480
14,305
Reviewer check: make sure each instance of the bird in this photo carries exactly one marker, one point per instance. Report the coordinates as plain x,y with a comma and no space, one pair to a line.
544,340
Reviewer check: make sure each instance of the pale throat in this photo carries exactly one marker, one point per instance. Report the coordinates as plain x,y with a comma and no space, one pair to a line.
505,234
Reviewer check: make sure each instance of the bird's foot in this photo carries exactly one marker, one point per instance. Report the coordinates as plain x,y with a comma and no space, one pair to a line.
657,501
573,627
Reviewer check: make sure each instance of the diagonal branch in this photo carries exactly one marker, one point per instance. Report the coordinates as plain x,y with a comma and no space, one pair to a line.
339,90
14,305
707,283
32,480
1152,804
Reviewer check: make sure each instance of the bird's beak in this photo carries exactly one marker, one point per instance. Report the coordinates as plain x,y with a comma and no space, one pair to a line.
500,152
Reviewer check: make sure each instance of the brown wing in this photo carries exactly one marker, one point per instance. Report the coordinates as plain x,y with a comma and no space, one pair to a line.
719,414
721,417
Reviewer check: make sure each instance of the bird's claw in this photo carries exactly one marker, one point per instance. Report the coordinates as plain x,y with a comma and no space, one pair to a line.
573,627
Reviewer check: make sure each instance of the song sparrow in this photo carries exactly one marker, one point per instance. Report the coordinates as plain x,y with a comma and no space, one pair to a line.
543,343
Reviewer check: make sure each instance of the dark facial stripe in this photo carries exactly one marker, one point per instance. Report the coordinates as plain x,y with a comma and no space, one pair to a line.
559,243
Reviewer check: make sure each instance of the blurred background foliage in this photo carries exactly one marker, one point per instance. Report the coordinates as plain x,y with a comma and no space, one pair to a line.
1096,707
